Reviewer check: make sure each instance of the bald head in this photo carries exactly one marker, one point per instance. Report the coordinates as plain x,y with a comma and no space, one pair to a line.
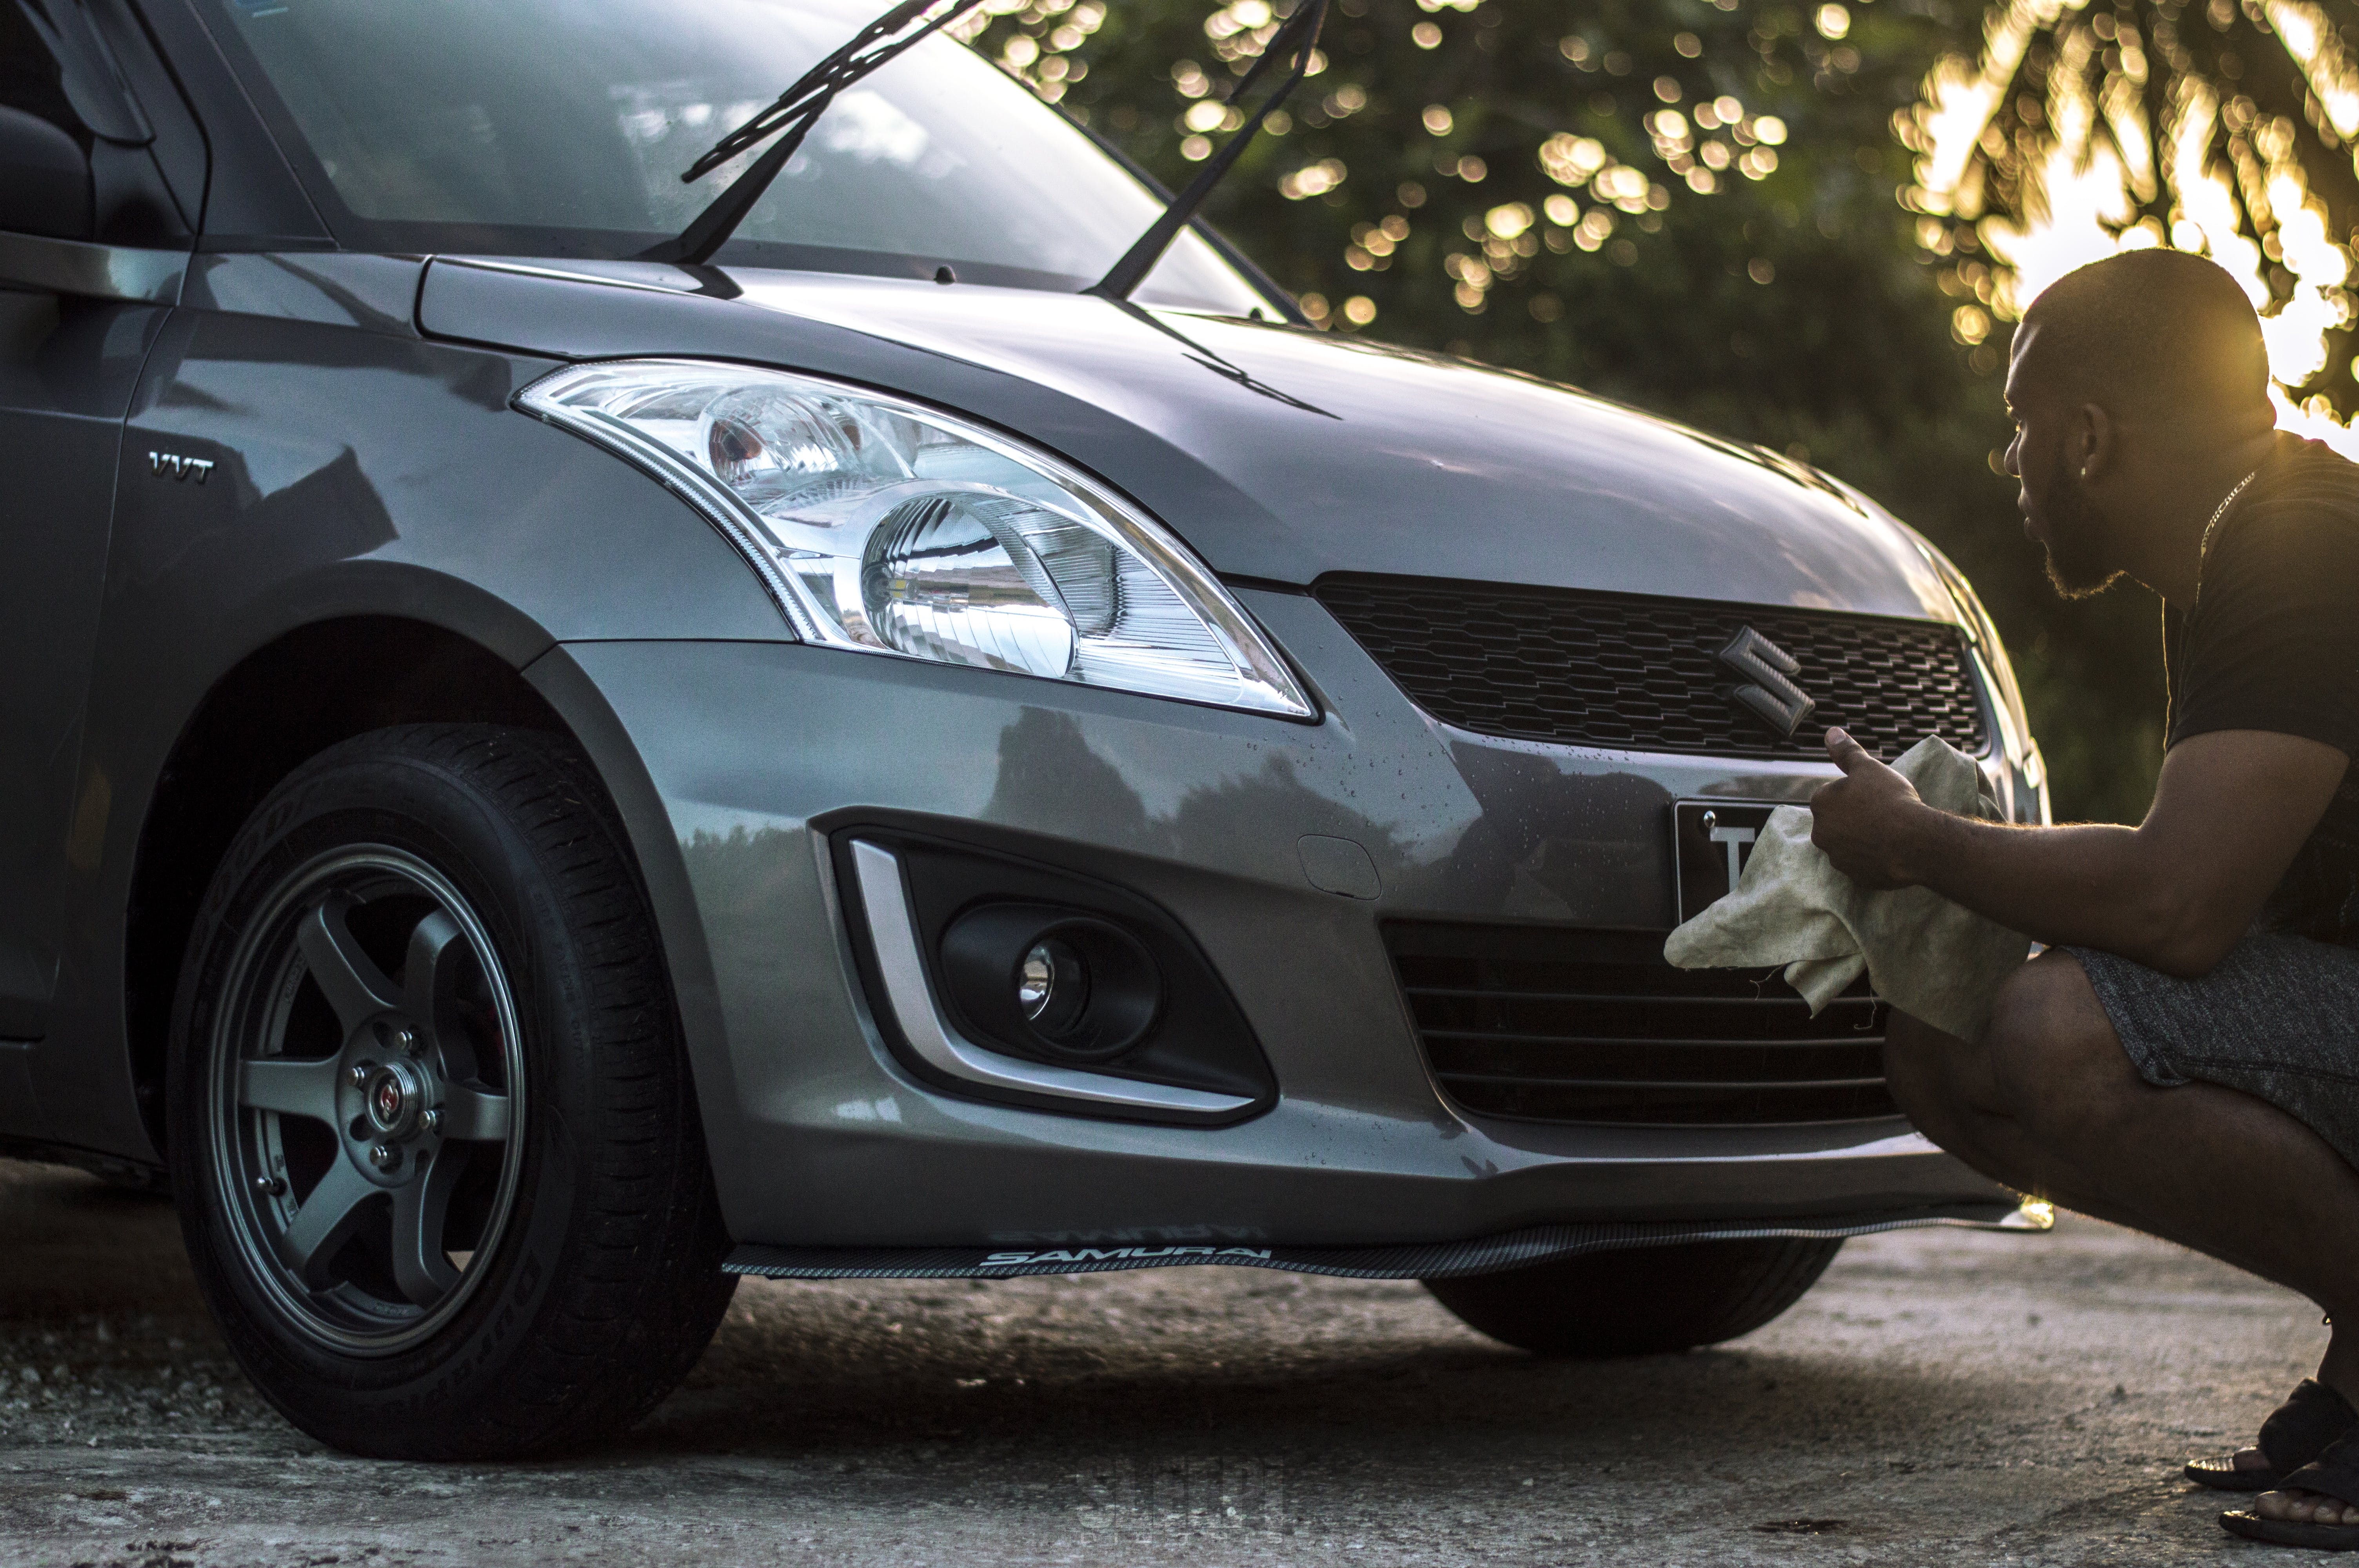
2149,336
2140,394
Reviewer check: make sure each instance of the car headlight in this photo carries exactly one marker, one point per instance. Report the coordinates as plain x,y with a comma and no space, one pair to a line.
885,526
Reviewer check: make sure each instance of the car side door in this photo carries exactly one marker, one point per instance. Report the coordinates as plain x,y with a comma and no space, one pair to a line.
94,239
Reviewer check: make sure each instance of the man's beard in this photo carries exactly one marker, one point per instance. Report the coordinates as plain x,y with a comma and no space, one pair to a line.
2075,546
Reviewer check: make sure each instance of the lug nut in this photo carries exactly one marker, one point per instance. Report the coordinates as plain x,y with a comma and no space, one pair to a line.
406,1038
385,1156
359,1074
430,1121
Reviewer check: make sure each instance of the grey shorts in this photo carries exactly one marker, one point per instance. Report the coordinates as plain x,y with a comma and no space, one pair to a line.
2277,1019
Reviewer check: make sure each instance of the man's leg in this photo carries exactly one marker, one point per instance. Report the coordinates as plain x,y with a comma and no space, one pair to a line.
2049,1103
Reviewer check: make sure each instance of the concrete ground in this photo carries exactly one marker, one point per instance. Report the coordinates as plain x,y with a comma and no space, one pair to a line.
1943,1397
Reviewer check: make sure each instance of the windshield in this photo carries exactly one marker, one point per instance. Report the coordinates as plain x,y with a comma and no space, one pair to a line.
560,127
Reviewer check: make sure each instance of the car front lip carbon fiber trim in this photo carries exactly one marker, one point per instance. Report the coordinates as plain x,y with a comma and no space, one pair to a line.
1412,1261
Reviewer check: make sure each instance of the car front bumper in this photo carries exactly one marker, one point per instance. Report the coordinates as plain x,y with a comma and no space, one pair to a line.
743,755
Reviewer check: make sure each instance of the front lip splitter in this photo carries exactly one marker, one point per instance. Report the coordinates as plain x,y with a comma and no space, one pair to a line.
1408,1260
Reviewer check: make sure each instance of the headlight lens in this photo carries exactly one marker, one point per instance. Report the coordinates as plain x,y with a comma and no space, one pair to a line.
890,527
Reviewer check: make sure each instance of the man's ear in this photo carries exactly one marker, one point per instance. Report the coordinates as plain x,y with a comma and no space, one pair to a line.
2095,441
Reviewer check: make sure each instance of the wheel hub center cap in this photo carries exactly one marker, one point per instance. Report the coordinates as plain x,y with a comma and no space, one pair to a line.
395,1099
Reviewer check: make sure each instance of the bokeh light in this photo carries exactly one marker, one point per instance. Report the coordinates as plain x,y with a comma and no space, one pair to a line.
2081,132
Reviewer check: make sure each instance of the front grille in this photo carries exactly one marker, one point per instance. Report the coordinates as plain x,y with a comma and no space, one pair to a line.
1593,1026
1641,674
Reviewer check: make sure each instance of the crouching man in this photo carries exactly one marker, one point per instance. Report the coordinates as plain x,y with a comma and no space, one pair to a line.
2184,1058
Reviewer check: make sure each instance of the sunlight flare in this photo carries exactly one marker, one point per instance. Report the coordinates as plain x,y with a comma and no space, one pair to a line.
2061,143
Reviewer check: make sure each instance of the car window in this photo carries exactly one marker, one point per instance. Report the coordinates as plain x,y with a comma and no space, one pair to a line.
561,127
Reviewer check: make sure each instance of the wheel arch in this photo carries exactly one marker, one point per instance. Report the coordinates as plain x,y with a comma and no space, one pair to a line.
284,702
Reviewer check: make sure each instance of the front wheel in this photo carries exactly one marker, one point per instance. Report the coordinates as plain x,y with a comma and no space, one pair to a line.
1640,1301
432,1127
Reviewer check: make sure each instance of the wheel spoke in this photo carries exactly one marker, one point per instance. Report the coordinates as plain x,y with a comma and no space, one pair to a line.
421,1209
352,983
430,975
325,1221
474,1115
290,1086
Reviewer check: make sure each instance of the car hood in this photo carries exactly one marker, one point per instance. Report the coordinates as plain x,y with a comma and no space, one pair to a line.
1279,453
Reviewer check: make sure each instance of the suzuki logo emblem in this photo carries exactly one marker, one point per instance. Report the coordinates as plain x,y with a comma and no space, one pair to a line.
1771,698
162,463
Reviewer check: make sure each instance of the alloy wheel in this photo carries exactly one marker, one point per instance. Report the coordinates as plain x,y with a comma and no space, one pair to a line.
367,1100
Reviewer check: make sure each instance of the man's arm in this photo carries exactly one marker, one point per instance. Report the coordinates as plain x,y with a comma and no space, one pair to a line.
2174,893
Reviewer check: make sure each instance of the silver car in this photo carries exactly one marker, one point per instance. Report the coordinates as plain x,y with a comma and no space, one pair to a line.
547,763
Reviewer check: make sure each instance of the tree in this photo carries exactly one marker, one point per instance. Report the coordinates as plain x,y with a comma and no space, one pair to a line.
1613,196
2219,127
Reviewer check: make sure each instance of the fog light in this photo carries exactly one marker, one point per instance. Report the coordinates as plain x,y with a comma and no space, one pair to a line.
1052,987
1051,982
959,948
1037,981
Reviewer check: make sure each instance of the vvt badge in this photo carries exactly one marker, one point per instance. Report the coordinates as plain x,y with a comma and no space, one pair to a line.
1771,698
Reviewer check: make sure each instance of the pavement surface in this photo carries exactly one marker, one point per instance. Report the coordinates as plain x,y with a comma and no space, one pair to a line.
1943,1397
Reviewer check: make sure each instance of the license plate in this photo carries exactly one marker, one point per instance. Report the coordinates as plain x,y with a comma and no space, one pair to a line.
1711,841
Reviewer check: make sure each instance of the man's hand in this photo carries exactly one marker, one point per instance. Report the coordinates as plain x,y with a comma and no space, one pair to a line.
1865,819
2175,893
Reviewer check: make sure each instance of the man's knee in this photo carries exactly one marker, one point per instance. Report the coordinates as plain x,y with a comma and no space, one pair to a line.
1933,1078
2055,1066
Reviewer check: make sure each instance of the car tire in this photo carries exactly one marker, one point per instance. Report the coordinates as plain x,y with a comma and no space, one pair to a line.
430,1123
1641,1301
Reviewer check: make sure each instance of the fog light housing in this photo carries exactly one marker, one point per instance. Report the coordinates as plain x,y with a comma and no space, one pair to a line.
1195,1061
1052,983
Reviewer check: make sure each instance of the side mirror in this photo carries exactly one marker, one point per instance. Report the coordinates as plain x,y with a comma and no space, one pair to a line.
45,185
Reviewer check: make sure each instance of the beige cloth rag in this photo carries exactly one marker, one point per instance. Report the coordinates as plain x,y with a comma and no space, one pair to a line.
1927,957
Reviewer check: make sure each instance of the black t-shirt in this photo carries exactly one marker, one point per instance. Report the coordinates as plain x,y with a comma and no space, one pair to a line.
2272,643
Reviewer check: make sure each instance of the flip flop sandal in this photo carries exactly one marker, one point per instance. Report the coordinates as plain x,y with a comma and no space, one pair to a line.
2333,1473
2296,1433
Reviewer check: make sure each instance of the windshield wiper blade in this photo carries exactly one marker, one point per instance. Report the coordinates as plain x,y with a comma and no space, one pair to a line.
1298,38
794,112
